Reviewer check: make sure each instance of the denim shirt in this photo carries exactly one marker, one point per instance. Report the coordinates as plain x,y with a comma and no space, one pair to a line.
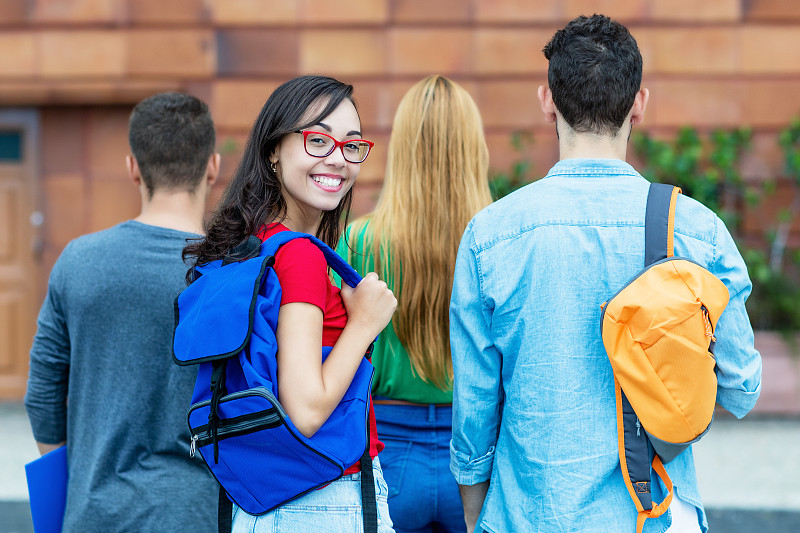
534,406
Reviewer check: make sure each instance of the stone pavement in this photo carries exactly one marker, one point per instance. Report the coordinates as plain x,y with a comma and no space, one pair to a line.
747,470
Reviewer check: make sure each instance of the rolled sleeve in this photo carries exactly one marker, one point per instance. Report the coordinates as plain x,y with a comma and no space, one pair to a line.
477,365
738,362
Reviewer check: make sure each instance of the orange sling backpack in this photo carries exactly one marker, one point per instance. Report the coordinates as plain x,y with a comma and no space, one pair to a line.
658,331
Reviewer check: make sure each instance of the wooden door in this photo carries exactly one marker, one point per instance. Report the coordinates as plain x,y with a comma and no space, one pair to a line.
19,247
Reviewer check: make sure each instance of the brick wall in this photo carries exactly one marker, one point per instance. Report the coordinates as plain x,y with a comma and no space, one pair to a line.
715,63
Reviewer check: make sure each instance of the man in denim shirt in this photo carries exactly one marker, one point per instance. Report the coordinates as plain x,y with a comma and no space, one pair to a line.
534,444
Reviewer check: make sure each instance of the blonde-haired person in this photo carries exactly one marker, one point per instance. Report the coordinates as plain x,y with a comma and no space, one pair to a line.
435,182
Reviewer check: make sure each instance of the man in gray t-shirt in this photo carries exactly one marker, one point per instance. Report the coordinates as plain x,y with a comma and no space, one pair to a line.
101,377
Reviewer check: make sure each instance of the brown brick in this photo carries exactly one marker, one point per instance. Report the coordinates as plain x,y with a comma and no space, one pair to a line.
344,52
702,50
772,10
236,104
517,11
77,11
171,53
365,197
622,10
343,12
431,51
217,190
770,49
765,219
510,104
694,103
198,88
764,159
252,12
85,53
251,51
65,208
374,167
780,374
645,40
692,10
377,103
112,201
230,146
62,140
17,55
770,102
541,152
506,51
168,12
69,92
107,140
425,11
13,12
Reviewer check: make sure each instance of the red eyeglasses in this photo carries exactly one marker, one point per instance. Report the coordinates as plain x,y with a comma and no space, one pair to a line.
320,144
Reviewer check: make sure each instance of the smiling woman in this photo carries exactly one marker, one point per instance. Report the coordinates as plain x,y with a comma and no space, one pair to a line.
297,172
315,175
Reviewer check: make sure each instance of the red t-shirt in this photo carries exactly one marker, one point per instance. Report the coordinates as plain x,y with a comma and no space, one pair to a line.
303,272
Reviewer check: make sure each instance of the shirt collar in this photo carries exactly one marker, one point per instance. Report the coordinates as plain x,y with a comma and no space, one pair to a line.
584,167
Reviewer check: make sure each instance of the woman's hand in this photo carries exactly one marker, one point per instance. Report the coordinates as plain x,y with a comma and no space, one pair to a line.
310,392
370,305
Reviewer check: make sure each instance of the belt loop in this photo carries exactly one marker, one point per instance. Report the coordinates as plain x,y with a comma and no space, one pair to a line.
431,412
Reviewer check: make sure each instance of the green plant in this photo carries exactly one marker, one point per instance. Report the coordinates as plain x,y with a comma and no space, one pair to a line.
502,183
789,140
708,170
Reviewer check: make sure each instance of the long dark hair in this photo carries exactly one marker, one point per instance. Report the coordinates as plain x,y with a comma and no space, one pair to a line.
254,194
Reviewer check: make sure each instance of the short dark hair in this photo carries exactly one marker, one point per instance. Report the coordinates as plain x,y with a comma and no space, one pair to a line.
594,74
172,138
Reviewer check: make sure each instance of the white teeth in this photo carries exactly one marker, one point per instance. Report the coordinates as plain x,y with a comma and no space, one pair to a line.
327,182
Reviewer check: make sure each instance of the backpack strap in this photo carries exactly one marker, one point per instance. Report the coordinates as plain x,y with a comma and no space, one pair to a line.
635,449
635,463
369,503
659,222
369,500
335,261
224,512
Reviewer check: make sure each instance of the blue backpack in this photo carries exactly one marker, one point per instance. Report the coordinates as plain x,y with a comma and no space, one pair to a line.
225,322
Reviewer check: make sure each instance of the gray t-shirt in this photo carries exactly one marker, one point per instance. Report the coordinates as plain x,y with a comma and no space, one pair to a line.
102,378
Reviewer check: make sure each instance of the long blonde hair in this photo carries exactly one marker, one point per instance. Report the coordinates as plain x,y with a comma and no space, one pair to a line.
436,181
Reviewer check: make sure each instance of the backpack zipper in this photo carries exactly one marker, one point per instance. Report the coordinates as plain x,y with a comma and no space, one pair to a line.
233,427
243,424
707,320
604,305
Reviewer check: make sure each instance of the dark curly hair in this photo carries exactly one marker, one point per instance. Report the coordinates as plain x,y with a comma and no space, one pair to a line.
254,197
594,74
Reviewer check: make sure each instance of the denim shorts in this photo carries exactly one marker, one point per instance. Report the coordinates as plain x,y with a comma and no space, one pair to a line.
333,508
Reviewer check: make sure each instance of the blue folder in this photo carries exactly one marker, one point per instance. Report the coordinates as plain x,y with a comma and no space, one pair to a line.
47,488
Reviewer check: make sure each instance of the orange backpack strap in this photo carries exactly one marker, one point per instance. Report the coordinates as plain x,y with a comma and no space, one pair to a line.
635,449
634,452
662,507
659,222
634,460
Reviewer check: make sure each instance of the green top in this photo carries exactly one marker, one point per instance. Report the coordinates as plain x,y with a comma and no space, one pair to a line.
394,377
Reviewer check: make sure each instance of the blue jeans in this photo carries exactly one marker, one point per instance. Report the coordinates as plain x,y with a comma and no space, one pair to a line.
335,508
423,495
